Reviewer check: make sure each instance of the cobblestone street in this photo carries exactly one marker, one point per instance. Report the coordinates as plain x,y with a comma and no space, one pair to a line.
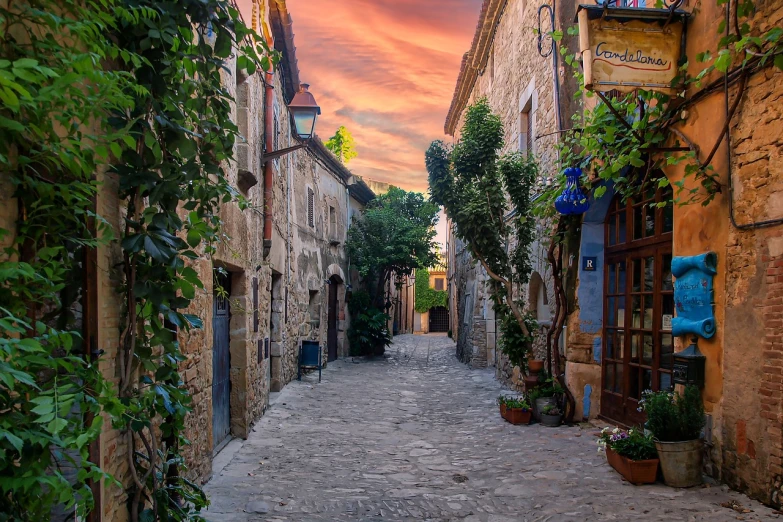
417,436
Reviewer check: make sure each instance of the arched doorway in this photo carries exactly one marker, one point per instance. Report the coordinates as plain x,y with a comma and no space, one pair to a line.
638,304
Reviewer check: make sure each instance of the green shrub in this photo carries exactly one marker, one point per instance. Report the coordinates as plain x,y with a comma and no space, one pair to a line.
369,333
672,417
513,341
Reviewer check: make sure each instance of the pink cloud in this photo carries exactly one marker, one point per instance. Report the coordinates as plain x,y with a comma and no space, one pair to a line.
386,70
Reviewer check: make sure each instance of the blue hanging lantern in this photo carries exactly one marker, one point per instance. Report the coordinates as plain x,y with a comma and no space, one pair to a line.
572,200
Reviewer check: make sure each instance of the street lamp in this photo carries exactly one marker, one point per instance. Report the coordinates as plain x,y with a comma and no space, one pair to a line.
304,111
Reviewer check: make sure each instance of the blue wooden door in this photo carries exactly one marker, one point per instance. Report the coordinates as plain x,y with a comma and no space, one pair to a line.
221,367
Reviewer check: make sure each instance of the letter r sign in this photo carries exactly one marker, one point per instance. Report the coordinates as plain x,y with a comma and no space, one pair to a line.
589,264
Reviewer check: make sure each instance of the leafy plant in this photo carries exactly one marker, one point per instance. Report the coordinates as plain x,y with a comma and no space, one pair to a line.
551,409
672,417
394,236
369,332
633,444
428,298
513,341
342,145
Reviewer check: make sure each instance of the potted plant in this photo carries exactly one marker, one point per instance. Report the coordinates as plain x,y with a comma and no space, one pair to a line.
502,403
675,422
518,411
545,394
535,366
551,416
632,453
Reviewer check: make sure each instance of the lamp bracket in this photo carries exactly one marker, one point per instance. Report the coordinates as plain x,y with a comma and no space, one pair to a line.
282,152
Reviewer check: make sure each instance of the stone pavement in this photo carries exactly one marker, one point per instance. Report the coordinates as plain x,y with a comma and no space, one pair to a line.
417,436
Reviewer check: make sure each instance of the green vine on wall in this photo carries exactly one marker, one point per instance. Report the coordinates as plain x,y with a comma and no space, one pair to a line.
141,86
428,298
631,132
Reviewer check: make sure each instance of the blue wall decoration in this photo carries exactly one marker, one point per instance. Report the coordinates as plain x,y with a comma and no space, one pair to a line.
572,200
693,294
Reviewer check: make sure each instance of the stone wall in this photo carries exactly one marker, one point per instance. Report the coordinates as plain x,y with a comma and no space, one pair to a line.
518,83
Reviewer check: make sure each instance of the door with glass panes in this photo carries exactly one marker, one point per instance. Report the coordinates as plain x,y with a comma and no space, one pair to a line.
638,304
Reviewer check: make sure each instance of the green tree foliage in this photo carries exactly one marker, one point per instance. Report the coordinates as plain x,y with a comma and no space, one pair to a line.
471,181
394,236
369,332
342,145
428,298
137,85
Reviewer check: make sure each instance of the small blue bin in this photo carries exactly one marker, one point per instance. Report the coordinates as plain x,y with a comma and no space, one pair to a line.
310,357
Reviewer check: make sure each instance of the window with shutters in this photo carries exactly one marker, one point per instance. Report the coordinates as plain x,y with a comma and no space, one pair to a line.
310,207
527,119
440,283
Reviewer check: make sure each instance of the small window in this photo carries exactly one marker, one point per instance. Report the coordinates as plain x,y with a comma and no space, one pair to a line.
440,283
332,222
526,134
310,207
276,132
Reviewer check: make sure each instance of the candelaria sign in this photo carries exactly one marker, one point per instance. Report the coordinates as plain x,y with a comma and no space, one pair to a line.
630,48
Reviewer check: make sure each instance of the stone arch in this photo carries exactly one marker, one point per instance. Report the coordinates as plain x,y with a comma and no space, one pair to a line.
335,270
538,300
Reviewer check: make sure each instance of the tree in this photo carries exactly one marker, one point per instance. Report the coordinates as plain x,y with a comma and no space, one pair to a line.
394,236
471,182
342,145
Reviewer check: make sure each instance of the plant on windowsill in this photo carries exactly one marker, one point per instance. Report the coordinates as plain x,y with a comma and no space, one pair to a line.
551,416
675,421
631,453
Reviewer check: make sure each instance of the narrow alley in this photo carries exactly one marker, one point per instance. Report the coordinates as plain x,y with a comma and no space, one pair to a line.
417,436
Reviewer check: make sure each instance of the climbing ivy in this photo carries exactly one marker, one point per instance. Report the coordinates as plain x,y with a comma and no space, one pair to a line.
627,139
428,298
141,86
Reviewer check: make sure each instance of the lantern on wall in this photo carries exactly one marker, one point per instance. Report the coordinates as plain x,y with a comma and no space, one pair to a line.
689,365
572,201
305,112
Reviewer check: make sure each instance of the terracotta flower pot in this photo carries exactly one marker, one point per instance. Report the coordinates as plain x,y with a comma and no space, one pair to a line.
681,462
518,416
503,410
634,471
535,365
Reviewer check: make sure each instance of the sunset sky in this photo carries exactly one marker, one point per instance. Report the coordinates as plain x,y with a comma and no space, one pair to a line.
385,69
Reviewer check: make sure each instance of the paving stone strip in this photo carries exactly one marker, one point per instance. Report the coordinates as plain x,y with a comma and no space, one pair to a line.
417,436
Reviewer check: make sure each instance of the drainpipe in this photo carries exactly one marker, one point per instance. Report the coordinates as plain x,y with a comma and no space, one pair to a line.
269,143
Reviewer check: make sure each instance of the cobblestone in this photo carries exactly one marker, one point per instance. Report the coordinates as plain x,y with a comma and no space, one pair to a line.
417,436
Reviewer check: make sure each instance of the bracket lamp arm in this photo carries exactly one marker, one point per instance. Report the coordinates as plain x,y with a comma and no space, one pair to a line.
282,152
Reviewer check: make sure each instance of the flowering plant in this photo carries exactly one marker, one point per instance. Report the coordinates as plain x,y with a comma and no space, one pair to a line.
514,402
633,444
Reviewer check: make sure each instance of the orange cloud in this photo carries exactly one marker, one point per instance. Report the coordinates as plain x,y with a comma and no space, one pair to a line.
386,70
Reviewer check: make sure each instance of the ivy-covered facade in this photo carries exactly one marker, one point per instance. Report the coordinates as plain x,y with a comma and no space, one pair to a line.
191,268
716,155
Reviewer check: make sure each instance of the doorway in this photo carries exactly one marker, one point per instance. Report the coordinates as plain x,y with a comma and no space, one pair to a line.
638,345
331,332
439,319
221,359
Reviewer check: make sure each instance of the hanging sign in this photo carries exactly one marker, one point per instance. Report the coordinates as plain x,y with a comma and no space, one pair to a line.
630,48
693,295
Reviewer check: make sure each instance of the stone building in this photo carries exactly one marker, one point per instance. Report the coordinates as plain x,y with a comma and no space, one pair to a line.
279,276
504,66
610,358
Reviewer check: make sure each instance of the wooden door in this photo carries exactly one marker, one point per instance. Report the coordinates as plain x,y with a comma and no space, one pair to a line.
331,334
638,305
221,363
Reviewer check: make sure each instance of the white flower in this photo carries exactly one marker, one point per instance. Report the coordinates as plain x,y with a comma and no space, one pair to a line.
616,430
